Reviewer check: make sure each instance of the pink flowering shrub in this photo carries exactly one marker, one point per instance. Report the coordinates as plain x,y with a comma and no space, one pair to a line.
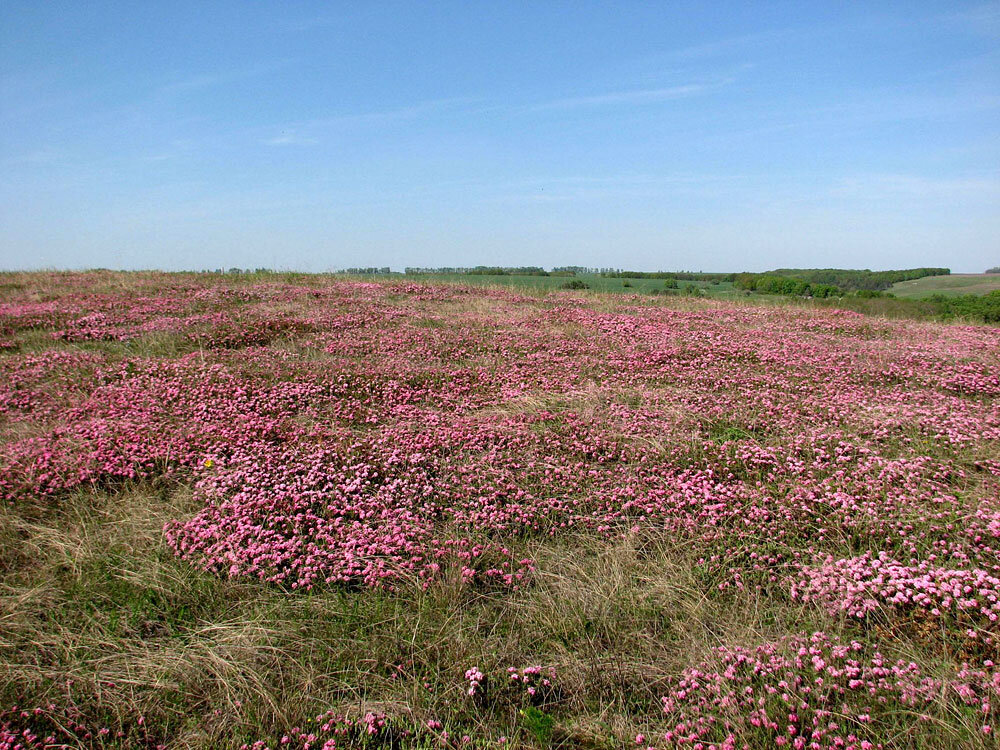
817,691
973,379
870,583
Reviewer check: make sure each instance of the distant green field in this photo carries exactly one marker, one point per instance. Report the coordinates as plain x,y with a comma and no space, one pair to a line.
950,286
596,283
911,299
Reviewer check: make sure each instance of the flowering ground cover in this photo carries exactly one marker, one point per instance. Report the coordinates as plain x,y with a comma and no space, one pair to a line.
302,511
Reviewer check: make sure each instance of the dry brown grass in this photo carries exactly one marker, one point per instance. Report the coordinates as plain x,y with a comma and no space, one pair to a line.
94,613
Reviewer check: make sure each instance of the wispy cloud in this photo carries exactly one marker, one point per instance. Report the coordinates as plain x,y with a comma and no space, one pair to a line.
310,132
212,79
628,96
33,158
733,44
290,139
895,185
408,112
851,115
621,186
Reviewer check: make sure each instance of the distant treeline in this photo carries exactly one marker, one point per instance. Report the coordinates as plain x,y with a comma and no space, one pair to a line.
829,282
774,283
236,271
584,270
370,271
610,273
676,275
854,280
488,271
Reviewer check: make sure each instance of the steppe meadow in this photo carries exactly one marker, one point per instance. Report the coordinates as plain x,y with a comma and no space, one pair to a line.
293,511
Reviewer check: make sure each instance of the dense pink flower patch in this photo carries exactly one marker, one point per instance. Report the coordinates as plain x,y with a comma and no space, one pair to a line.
364,433
973,379
860,585
384,435
815,692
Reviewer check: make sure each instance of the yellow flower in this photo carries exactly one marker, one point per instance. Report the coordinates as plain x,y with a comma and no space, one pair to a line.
209,463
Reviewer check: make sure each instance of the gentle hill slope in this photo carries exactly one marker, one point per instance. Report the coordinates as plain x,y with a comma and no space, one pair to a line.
951,285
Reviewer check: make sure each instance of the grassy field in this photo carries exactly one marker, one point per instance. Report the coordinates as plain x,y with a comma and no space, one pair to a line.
304,511
553,283
950,286
913,304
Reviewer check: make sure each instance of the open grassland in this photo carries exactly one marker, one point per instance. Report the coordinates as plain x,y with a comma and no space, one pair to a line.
312,513
595,282
950,286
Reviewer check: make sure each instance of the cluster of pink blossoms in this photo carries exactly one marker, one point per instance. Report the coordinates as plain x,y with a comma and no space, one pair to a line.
334,730
537,683
534,685
53,726
475,679
973,379
815,692
860,585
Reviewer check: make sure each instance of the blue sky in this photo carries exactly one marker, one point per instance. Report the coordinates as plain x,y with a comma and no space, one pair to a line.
701,136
